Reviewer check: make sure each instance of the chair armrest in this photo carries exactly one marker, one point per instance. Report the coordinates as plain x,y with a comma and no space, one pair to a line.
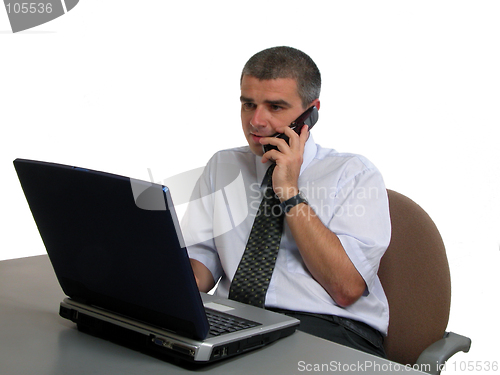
433,358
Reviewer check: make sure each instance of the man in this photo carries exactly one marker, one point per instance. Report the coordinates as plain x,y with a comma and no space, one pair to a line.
325,271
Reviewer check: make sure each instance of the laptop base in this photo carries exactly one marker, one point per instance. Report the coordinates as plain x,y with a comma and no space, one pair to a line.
157,345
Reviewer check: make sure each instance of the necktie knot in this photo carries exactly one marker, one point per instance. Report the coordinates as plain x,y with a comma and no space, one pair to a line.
268,177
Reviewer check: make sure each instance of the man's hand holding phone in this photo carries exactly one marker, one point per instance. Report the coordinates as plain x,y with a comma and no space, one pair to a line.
286,148
288,157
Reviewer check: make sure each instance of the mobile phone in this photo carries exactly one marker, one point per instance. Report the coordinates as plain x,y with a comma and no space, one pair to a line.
309,118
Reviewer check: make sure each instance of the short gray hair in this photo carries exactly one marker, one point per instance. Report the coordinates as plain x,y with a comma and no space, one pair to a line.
286,62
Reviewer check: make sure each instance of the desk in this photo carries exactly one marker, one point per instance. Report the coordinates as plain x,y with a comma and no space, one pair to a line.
35,340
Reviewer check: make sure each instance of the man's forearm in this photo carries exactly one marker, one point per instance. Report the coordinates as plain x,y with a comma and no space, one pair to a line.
324,256
203,276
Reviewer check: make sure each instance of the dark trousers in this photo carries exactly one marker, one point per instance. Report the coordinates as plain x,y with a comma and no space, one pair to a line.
343,331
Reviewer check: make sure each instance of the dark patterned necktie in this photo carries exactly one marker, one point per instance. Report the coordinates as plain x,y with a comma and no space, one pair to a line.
254,272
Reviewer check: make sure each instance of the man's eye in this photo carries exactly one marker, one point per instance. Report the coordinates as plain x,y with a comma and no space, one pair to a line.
248,106
276,108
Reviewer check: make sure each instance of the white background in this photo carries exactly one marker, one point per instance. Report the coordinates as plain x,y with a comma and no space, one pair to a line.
124,86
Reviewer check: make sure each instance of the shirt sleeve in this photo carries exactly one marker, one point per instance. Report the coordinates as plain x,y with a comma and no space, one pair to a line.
361,220
197,226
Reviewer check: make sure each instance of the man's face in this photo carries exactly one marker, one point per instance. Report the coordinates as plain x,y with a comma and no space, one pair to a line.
266,106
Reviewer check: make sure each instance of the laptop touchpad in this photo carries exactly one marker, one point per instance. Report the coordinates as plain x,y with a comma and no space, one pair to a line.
218,306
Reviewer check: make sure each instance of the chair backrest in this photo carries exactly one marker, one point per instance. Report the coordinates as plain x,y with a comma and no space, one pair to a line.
416,278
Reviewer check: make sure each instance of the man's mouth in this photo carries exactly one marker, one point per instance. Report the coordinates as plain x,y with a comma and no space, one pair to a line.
256,137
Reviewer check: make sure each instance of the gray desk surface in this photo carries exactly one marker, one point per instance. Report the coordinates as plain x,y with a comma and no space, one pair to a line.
35,340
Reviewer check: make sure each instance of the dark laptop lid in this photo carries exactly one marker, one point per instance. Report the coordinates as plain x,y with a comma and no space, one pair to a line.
115,243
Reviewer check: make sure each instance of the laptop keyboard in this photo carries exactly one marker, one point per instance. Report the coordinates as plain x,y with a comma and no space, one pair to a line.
222,323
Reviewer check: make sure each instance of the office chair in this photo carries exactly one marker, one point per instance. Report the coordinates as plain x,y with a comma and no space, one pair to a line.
416,278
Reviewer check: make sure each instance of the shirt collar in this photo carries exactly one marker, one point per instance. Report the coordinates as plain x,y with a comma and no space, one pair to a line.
310,150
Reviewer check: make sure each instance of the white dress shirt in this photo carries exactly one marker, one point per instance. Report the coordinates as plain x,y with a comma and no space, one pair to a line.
346,191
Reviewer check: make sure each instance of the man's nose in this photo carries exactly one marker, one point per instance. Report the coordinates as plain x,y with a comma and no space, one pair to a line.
259,118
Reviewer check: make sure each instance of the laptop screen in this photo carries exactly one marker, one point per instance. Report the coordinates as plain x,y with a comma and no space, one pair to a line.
113,245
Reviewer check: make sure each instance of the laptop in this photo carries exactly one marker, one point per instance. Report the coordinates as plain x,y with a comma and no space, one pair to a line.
117,251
